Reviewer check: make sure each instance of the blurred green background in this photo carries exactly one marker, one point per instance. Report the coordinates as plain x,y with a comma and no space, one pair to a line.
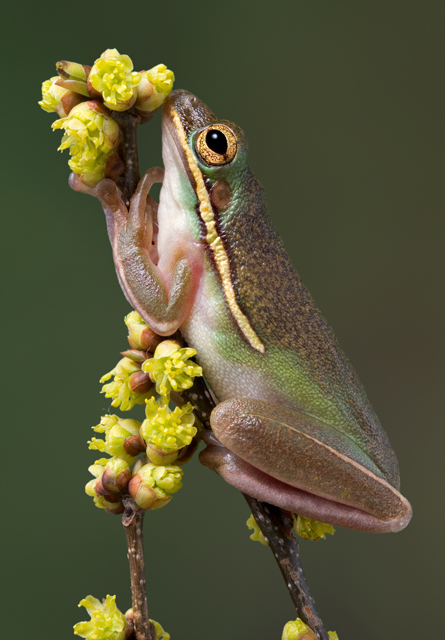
342,103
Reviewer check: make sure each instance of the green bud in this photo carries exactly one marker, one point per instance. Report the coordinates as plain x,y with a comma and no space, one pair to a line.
57,99
107,622
120,390
257,534
153,486
154,87
73,76
333,635
165,432
311,529
140,336
137,355
170,368
112,75
116,431
297,630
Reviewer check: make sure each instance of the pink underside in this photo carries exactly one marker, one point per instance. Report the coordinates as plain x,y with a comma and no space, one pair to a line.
257,484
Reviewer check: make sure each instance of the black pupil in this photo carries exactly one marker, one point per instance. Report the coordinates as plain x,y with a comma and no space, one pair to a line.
216,141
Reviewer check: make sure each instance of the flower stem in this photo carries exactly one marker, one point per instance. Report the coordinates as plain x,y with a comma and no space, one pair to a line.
276,526
128,122
132,522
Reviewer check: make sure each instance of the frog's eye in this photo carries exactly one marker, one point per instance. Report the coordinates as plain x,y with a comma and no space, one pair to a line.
216,145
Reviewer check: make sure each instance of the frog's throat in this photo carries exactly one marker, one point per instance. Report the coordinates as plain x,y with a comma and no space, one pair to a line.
212,238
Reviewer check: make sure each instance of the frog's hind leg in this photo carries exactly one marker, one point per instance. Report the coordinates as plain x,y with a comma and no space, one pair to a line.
288,458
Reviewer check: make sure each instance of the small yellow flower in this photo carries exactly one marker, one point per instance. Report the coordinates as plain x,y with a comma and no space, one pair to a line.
170,368
160,633
107,622
113,76
297,630
153,486
154,87
311,529
139,333
58,99
167,431
119,389
257,534
92,137
116,431
333,635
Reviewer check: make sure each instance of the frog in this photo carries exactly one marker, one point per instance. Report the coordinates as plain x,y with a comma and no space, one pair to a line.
292,425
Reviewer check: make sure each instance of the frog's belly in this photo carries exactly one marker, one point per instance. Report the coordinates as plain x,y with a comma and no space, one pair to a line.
232,368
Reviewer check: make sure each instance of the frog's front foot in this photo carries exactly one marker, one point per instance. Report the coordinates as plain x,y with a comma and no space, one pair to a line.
162,296
140,218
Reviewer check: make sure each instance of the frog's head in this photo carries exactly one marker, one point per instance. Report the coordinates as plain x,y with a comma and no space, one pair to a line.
204,159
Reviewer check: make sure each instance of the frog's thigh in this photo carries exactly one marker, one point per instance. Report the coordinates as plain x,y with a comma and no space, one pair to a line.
303,452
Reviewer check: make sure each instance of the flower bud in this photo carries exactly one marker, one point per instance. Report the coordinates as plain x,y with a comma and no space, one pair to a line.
297,630
153,486
140,382
137,355
57,99
257,534
73,76
170,368
153,88
116,476
119,389
165,432
111,503
107,622
116,431
311,529
112,75
140,336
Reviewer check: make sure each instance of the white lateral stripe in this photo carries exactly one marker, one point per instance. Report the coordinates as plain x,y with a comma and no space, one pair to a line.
215,242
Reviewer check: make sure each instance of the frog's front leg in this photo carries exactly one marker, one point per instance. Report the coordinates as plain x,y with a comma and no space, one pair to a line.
163,298
290,459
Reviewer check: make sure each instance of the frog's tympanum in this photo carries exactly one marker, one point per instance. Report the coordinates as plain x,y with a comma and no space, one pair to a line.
293,426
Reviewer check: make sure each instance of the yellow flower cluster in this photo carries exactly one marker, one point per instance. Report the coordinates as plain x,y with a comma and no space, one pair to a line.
107,622
297,630
165,432
91,137
112,75
311,529
170,367
119,389
257,534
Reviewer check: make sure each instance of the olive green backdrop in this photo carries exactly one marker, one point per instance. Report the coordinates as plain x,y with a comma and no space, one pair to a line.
342,103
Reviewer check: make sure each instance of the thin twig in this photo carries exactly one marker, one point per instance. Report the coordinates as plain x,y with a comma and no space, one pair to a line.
132,520
128,122
276,526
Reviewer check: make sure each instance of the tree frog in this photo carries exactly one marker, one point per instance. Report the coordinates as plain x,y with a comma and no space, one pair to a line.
293,426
